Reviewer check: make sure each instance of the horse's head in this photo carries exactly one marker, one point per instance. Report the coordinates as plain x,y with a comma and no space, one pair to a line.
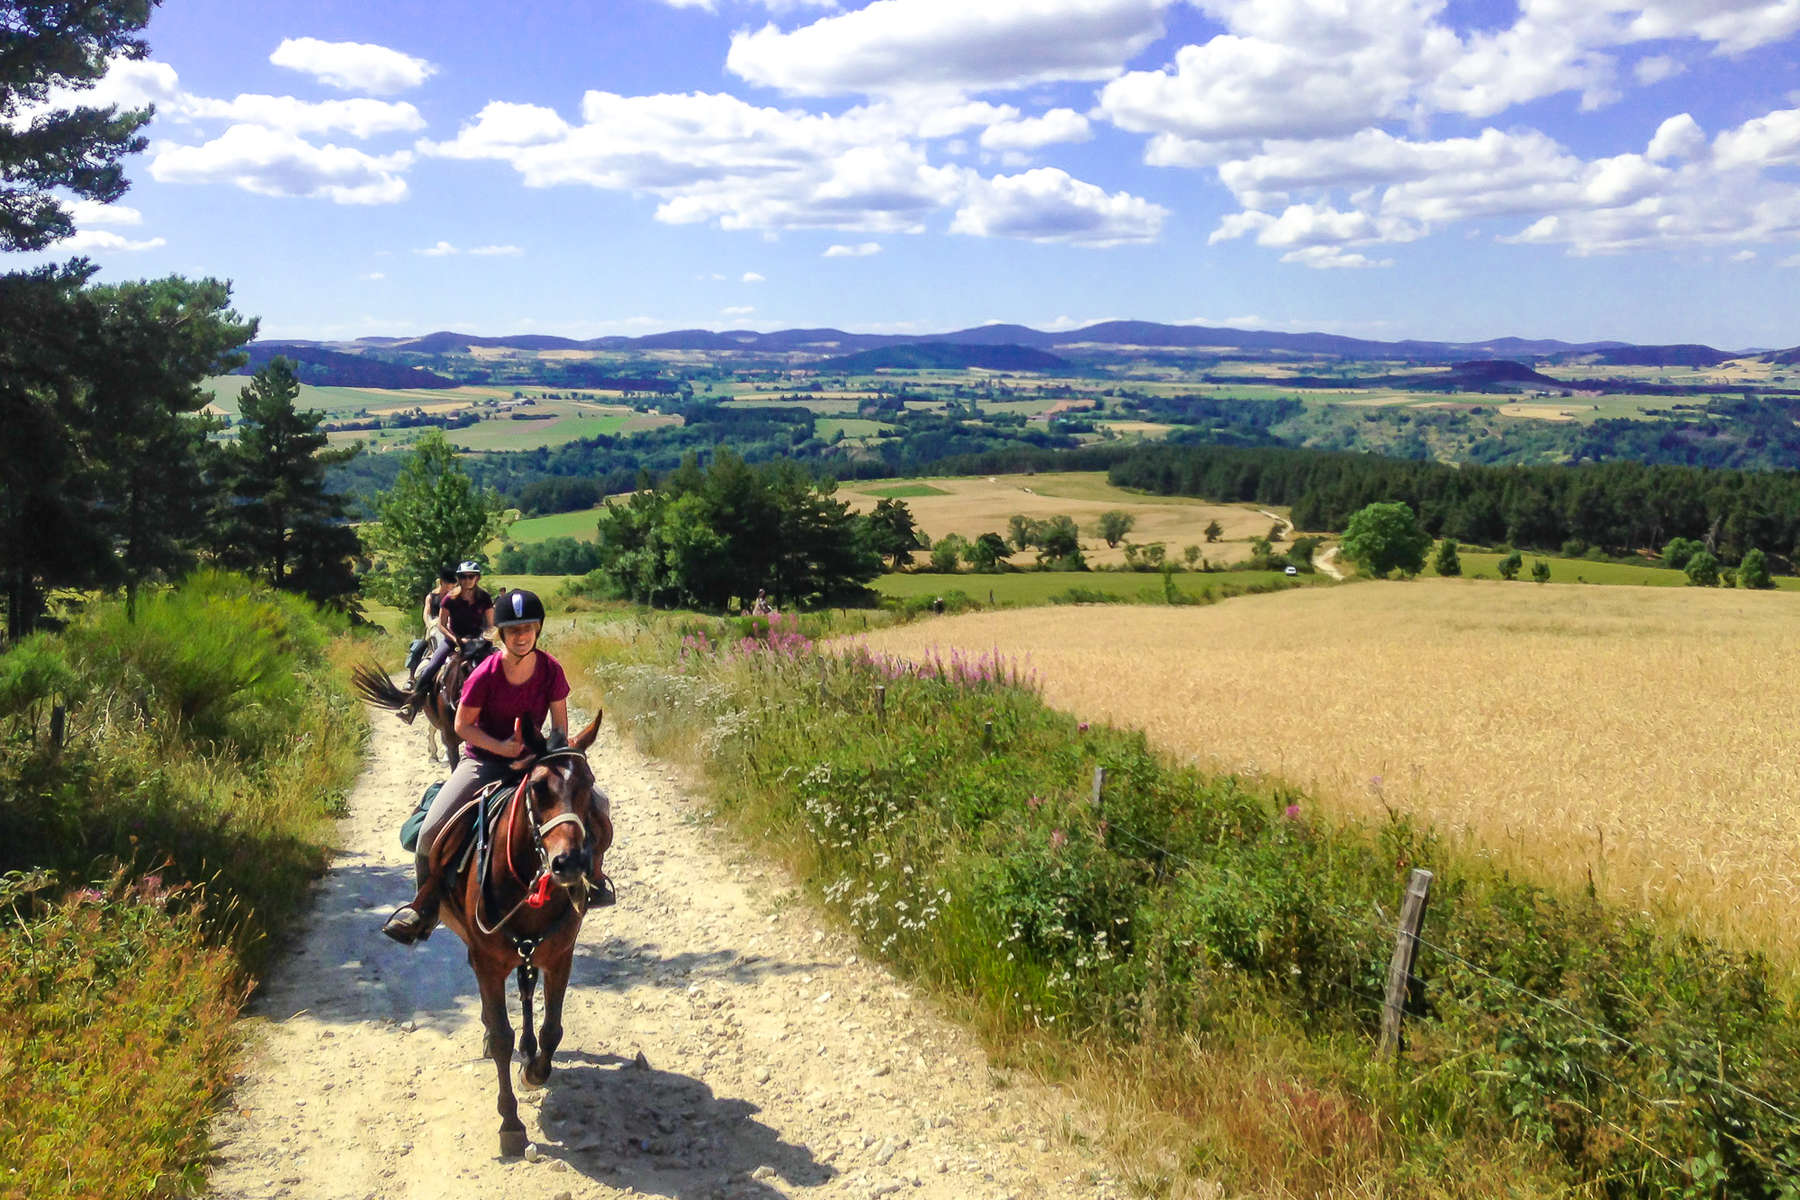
570,814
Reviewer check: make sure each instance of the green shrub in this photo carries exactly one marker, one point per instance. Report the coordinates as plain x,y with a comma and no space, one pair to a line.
209,746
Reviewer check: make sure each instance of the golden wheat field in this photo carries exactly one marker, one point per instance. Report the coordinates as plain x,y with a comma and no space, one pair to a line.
976,505
1646,735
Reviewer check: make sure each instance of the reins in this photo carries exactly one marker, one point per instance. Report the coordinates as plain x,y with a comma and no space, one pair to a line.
537,892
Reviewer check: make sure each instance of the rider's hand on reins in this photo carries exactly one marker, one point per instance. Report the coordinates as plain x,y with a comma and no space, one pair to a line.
513,746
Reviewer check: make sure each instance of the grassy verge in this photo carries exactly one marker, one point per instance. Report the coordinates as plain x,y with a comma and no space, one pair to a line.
149,865
1204,957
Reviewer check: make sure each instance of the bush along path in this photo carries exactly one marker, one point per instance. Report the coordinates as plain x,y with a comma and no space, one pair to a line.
718,1042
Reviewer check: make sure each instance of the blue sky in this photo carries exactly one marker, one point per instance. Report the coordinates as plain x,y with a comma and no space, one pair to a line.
1446,169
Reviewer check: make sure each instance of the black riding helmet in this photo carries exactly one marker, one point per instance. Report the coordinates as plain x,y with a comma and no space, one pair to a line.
517,607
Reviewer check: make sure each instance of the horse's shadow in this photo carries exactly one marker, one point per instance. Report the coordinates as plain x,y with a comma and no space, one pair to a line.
664,1133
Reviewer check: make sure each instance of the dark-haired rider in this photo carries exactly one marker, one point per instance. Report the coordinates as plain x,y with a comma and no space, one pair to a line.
465,613
446,583
505,695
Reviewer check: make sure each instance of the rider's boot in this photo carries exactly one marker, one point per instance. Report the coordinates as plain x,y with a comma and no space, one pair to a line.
420,689
413,922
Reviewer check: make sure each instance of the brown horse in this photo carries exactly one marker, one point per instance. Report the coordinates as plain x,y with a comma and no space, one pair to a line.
441,699
518,905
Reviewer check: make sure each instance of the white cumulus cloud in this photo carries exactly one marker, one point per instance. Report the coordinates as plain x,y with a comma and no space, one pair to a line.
274,163
104,241
360,118
752,277
353,66
502,251
907,45
1050,205
1032,133
860,250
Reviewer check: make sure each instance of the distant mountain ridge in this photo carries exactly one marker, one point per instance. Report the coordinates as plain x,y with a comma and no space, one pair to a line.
1104,337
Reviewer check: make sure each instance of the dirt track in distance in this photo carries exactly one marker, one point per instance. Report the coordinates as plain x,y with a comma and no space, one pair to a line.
777,1063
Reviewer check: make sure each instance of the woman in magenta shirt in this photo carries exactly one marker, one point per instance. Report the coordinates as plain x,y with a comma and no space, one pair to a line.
503,697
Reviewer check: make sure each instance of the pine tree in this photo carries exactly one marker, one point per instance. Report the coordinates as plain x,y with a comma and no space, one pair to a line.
62,46
281,521
153,345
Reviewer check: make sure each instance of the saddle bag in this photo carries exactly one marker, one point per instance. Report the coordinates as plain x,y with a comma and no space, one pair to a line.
409,830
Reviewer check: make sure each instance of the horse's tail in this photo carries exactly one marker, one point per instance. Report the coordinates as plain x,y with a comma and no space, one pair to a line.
373,685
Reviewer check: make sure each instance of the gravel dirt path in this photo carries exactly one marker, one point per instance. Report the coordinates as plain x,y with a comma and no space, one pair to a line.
720,1043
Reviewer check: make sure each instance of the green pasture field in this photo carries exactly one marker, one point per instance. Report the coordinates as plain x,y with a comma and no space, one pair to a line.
900,491
561,423
1477,564
1036,587
850,427
579,525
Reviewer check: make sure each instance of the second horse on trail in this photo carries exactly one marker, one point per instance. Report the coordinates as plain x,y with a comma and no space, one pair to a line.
442,694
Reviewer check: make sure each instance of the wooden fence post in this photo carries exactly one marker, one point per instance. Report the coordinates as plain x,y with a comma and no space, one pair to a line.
881,703
1099,798
987,735
1406,947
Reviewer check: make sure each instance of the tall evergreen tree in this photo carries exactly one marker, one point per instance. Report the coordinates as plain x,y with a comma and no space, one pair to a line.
50,48
50,531
154,344
281,522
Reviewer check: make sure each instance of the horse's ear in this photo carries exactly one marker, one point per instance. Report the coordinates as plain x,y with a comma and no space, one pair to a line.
585,738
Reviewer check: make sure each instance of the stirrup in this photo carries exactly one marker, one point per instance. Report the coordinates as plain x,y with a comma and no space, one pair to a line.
408,926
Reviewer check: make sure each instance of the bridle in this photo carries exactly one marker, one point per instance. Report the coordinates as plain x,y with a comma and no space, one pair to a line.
537,892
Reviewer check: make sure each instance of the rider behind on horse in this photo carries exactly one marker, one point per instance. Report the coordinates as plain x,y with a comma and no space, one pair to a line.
429,614
505,696
468,612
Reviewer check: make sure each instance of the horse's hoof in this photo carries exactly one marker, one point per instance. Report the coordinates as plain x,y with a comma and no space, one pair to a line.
512,1143
531,1081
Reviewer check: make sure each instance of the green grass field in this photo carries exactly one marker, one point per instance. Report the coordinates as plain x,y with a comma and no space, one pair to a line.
900,491
578,525
850,427
560,424
1479,565
1036,587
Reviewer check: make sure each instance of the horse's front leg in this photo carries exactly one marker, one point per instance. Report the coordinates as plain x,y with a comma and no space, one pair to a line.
556,982
499,1047
528,1043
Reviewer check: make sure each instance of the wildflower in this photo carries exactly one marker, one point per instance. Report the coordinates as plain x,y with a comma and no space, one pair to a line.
1291,812
1058,839
90,896
1081,727
1035,802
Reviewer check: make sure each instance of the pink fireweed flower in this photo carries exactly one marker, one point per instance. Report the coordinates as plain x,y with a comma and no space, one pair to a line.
1058,839
1035,802
1292,812
1081,727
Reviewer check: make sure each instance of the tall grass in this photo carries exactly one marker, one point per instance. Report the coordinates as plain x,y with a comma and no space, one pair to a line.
1205,955
155,858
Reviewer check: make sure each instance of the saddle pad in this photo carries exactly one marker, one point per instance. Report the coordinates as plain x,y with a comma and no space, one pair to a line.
409,829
